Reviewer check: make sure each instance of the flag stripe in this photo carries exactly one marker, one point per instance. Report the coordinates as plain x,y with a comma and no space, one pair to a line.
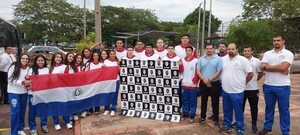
65,94
46,82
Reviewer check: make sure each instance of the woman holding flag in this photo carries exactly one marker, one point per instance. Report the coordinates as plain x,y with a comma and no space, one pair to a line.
57,67
39,67
112,61
94,63
17,93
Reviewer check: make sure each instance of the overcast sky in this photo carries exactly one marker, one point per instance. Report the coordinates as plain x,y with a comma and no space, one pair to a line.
165,10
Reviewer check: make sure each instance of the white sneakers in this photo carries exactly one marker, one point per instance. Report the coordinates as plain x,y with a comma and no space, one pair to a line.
112,113
57,127
75,117
21,133
83,115
105,112
69,126
33,132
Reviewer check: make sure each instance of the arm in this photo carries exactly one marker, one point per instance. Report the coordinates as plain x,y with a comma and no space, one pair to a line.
249,77
283,67
215,75
260,75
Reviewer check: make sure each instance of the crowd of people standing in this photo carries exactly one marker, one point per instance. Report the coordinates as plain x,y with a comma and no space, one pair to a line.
226,73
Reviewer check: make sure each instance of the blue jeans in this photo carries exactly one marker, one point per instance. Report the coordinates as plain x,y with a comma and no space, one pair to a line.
114,103
18,103
189,101
233,101
32,114
281,94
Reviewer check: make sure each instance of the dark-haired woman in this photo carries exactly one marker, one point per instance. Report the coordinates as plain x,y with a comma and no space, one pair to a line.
86,53
94,63
39,67
112,61
70,63
17,93
79,62
57,67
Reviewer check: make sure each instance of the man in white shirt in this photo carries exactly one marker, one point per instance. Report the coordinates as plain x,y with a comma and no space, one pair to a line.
120,49
149,53
276,65
139,49
160,49
251,91
236,73
5,61
185,42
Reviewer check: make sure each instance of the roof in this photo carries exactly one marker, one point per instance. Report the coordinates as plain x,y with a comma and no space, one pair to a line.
148,34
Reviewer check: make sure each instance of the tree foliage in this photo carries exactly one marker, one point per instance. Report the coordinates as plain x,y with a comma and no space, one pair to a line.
257,34
258,9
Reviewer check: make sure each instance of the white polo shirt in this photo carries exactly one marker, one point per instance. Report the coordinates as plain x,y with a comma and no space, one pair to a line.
273,58
152,57
252,84
234,73
120,55
5,61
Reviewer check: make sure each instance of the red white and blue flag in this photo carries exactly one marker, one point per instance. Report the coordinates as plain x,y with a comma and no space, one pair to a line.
66,94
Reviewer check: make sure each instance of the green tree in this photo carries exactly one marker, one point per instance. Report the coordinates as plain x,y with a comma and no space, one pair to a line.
58,19
258,9
257,34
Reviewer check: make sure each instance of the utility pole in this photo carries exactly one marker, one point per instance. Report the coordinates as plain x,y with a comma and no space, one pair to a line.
98,22
84,19
209,23
203,26
198,30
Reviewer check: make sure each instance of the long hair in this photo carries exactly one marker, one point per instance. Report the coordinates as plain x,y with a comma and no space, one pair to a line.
92,58
35,67
53,60
72,63
82,52
17,67
112,51
81,65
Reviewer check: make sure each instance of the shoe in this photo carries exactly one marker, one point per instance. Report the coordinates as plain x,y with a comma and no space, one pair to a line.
240,132
96,113
211,117
225,129
202,121
184,116
112,113
44,129
89,113
83,115
265,132
192,120
57,127
33,132
105,112
216,123
233,124
75,117
21,133
69,126
254,129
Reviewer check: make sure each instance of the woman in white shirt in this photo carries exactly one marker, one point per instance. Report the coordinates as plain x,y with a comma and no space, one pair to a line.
17,93
39,67
94,63
57,67
112,61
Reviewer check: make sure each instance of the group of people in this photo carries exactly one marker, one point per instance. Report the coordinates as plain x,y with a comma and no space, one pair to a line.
226,74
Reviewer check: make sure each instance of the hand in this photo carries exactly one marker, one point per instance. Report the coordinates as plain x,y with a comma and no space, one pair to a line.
286,72
263,65
27,83
207,83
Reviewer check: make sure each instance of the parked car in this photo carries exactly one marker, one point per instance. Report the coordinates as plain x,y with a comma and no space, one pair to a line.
47,51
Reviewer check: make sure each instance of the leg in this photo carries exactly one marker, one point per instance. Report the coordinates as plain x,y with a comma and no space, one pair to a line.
66,119
23,104
237,101
56,120
31,116
245,99
193,103
270,99
227,109
204,99
215,99
44,121
253,101
14,100
283,95
5,94
185,102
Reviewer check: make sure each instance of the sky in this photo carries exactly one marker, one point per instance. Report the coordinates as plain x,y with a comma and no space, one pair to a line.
165,10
